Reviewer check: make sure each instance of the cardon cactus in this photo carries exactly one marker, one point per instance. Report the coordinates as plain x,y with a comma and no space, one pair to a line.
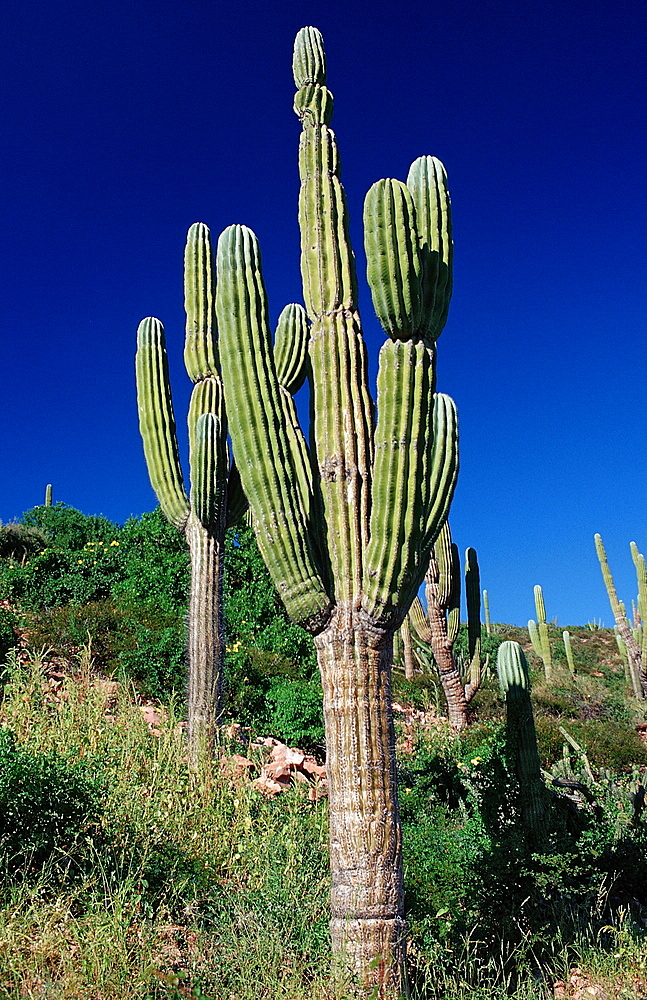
521,738
48,495
346,525
538,632
437,630
215,486
634,640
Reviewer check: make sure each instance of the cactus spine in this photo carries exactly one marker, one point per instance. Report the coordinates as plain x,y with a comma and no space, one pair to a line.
438,629
521,738
538,632
634,642
346,528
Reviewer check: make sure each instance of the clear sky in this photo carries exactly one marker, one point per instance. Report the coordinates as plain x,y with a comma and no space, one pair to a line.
125,121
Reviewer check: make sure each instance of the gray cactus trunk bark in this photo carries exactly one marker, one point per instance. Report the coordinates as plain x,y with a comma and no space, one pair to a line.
206,635
367,895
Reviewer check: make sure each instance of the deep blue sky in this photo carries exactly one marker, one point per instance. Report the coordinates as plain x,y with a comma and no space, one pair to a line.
124,122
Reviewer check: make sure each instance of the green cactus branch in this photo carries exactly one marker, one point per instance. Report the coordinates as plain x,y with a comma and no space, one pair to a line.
635,644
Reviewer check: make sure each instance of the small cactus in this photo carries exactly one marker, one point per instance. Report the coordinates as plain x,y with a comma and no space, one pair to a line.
48,495
521,738
569,651
486,610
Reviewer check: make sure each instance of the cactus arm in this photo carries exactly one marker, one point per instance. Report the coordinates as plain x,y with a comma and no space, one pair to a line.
341,405
209,465
200,344
419,622
290,359
393,258
157,422
398,519
641,577
265,460
427,181
48,495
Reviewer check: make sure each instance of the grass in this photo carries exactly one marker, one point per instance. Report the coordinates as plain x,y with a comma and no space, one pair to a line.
191,884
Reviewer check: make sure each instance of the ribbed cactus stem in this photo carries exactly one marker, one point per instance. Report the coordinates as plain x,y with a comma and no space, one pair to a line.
569,651
48,495
521,739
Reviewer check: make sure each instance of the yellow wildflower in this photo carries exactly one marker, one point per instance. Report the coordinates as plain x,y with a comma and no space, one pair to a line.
114,543
476,760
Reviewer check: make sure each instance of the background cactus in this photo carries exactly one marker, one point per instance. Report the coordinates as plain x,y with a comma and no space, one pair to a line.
521,738
486,611
634,641
568,649
48,495
216,498
436,631
346,527
538,632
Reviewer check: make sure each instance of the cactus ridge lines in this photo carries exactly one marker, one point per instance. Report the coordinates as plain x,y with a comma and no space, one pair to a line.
398,513
291,347
208,471
157,421
266,462
512,669
393,259
427,181
309,57
200,345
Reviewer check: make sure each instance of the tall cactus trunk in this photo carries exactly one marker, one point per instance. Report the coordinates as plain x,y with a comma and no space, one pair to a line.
450,677
407,650
206,634
365,838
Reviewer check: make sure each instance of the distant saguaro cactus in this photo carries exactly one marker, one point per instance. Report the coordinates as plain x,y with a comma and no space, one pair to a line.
634,641
346,528
538,632
48,495
437,630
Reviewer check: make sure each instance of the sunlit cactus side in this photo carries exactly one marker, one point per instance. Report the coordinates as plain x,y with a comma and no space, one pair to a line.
486,611
435,632
635,646
48,495
346,525
538,632
521,739
568,648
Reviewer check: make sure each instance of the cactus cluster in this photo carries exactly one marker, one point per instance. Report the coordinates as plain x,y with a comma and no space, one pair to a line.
435,633
632,642
346,523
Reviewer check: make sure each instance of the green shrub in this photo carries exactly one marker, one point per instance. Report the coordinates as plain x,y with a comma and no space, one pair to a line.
47,807
297,713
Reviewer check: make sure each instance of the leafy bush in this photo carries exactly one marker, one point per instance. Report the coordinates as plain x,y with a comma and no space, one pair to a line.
47,805
297,713
469,872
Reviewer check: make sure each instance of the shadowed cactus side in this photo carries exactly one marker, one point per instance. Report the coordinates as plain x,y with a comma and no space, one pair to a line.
521,739
346,525
435,632
634,640
538,632
215,495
